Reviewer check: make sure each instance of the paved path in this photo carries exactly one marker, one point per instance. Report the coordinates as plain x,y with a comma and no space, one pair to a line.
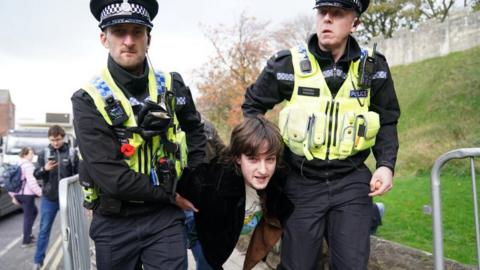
235,262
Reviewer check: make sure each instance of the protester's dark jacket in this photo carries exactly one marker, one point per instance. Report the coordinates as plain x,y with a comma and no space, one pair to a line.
214,145
104,164
276,82
220,198
67,166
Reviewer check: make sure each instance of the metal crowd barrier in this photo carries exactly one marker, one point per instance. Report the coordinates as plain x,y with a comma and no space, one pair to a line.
74,225
436,202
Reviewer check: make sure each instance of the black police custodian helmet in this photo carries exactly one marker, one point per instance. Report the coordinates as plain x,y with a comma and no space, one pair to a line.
110,12
359,5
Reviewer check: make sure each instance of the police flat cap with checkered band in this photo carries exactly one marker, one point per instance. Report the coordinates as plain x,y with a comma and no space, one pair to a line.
110,12
359,5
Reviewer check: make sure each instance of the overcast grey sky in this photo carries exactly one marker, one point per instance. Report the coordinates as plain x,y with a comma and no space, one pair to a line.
50,48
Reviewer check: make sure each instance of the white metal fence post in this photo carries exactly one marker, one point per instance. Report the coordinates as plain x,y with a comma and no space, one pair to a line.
74,225
436,202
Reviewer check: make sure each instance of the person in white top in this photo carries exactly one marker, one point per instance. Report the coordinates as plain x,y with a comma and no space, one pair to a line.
26,196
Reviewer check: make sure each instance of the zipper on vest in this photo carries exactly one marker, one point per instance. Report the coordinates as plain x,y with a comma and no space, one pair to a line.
337,104
334,71
145,159
329,112
139,156
59,163
152,160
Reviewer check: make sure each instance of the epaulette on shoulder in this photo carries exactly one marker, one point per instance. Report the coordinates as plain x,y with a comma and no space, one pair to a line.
177,77
281,54
379,54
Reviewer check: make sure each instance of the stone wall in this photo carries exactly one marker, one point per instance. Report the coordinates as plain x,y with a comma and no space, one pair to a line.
460,31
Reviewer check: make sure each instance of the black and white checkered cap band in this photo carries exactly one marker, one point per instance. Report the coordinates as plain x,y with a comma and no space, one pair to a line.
117,10
359,4
356,4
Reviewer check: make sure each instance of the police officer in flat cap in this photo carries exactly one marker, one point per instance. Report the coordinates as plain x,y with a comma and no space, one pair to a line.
133,126
341,105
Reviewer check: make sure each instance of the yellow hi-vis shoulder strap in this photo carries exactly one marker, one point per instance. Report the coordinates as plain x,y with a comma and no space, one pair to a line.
103,86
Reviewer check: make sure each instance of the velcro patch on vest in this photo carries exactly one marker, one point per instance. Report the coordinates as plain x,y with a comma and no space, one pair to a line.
310,92
359,93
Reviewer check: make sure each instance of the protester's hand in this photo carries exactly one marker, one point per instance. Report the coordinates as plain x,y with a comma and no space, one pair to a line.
50,165
382,181
184,204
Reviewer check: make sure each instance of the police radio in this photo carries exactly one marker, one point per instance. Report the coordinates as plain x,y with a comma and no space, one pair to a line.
115,111
163,174
366,69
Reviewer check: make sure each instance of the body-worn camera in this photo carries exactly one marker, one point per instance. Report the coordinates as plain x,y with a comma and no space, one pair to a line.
366,69
305,65
115,111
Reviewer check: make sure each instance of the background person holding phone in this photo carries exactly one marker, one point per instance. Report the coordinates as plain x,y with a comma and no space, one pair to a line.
58,160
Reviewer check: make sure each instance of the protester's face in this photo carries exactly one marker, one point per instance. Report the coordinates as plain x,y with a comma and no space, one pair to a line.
127,44
56,142
334,25
258,169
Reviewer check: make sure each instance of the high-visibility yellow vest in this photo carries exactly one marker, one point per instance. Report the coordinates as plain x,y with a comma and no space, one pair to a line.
141,160
314,124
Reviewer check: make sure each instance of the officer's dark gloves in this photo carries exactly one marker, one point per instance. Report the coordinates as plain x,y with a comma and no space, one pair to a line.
153,119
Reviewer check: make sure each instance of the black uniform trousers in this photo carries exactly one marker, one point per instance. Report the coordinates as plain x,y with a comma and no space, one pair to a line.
339,210
155,240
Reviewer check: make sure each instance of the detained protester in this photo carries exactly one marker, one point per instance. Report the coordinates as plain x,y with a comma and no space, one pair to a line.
213,148
132,124
341,103
241,191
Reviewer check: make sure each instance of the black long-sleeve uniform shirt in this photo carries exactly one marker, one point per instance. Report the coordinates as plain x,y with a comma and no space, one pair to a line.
103,163
275,84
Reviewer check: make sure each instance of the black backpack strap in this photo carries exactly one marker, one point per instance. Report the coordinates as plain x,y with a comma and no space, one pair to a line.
24,178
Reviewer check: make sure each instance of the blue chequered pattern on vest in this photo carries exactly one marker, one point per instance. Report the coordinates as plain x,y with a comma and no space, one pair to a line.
161,87
102,87
105,91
